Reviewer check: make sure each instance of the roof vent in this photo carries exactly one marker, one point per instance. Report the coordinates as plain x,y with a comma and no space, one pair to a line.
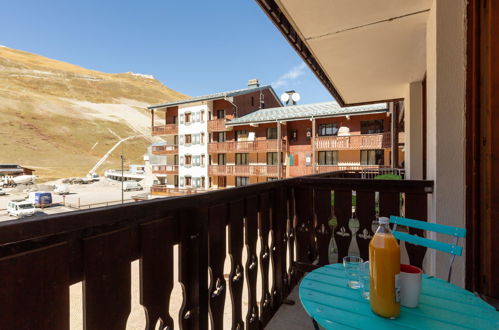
253,83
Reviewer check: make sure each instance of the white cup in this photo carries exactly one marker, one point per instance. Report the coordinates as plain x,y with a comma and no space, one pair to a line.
410,285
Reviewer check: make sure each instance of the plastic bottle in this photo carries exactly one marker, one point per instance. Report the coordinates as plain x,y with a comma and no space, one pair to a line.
384,260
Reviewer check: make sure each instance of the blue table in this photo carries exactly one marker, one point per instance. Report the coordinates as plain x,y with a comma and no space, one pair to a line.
327,299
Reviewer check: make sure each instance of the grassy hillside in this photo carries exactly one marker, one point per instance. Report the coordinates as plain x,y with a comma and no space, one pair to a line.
60,119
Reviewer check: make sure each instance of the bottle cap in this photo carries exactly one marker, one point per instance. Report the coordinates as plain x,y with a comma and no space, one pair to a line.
384,220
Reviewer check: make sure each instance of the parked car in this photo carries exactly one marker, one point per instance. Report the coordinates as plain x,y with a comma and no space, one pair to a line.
61,189
131,185
2,192
40,199
20,208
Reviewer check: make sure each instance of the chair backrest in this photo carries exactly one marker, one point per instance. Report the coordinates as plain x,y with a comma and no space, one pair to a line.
453,249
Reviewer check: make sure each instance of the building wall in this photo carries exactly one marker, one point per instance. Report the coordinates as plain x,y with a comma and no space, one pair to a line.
446,93
195,127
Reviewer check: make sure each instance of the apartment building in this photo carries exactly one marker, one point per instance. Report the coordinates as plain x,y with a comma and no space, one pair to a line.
187,126
282,142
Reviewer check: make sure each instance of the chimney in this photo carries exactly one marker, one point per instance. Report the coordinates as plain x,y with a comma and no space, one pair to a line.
253,83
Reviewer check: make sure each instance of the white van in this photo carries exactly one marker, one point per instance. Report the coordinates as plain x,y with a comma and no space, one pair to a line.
20,208
131,185
61,189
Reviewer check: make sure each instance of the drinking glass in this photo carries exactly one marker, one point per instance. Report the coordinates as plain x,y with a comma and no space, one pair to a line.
352,268
365,280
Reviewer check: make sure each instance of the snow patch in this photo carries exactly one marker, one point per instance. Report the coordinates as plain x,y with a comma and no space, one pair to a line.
147,76
2,46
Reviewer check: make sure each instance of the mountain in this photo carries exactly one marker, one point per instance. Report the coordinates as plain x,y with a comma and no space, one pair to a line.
60,119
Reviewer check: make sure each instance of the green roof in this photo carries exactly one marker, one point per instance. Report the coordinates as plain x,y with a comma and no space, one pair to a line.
306,111
216,96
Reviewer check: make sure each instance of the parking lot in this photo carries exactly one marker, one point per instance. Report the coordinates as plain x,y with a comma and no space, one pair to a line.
81,196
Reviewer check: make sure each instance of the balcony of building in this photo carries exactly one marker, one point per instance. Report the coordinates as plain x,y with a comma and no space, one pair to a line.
165,129
165,169
353,142
218,125
246,146
167,149
43,257
246,170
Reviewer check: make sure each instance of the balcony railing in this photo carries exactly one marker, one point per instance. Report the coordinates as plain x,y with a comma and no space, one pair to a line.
217,125
165,150
355,142
42,257
246,146
165,129
165,169
164,190
246,170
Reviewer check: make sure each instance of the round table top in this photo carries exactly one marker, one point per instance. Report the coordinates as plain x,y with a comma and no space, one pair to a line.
326,298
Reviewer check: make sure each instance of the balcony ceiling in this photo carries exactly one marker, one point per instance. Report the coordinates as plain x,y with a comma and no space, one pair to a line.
367,50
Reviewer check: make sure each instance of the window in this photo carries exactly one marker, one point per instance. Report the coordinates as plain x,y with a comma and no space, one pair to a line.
222,181
221,159
175,139
175,159
182,181
372,157
242,181
181,160
195,160
371,126
309,133
272,179
203,181
272,133
187,117
294,135
188,181
271,158
197,116
188,160
220,114
252,101
328,129
328,157
221,137
175,119
202,138
175,180
195,139
242,135
202,160
188,139
202,116
242,159
181,139
181,119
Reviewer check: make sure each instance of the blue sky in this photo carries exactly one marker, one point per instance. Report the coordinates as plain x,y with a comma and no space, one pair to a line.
195,47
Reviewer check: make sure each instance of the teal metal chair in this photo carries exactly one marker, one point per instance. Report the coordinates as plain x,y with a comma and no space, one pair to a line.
453,249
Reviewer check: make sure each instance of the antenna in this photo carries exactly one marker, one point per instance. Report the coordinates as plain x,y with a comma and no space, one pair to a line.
290,97
285,98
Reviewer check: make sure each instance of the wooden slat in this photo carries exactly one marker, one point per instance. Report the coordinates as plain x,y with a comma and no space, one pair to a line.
416,208
216,246
106,283
278,248
292,276
193,270
156,270
34,289
264,226
305,249
343,213
366,213
322,203
251,226
236,278
389,203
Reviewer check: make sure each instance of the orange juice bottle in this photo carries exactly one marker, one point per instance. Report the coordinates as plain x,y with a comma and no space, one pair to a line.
384,263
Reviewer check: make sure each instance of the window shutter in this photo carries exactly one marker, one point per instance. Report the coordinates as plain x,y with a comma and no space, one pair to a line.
181,118
197,116
181,160
181,139
181,181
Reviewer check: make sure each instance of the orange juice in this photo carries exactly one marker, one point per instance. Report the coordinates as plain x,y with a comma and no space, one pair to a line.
384,263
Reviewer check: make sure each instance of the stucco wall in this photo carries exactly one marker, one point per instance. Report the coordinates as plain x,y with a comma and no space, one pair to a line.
413,108
446,73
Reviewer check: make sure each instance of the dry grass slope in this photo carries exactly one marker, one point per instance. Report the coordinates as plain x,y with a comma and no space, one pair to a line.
59,118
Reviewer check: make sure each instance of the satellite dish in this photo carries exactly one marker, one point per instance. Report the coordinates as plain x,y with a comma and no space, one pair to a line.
284,97
295,97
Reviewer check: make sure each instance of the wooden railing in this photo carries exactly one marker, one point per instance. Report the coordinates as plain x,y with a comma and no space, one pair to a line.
165,149
217,125
165,169
165,129
164,190
42,257
246,170
246,146
359,141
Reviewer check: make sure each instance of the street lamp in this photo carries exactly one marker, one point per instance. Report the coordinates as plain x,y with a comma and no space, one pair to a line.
122,161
